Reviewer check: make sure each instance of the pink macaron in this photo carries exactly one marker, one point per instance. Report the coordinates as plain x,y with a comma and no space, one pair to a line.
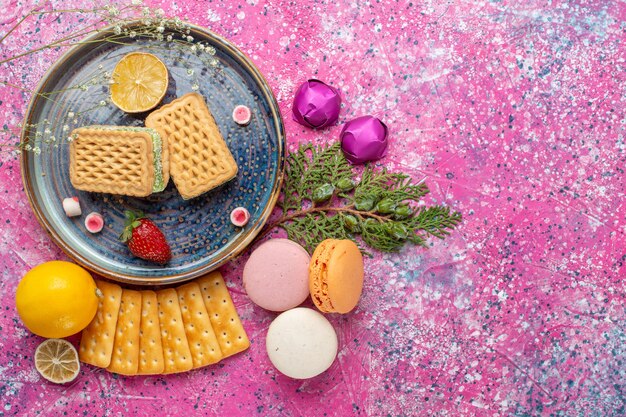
276,276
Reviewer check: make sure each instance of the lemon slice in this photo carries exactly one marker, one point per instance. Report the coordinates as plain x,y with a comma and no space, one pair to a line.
139,82
57,361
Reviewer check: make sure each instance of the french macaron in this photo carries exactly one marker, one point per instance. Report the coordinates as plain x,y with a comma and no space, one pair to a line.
301,343
336,276
276,276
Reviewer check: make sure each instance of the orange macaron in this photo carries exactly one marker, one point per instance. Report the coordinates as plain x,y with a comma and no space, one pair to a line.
336,276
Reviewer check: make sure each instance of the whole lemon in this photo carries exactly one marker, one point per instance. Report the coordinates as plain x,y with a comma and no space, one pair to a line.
56,299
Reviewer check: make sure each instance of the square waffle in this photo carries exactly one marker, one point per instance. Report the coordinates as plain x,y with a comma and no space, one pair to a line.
199,158
117,160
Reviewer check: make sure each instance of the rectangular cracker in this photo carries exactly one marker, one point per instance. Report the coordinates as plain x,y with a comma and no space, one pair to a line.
205,349
125,357
176,353
199,157
230,333
96,343
150,346
113,160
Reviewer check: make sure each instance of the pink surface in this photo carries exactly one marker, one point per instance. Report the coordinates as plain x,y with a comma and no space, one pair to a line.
512,112
276,275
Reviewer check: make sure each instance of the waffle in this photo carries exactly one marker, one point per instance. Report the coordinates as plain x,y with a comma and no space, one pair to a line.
118,160
199,158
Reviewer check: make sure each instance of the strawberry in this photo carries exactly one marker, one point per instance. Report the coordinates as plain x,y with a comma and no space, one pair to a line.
144,239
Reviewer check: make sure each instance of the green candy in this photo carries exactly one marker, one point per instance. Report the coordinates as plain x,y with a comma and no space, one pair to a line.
351,223
402,211
386,206
323,193
345,184
397,230
364,203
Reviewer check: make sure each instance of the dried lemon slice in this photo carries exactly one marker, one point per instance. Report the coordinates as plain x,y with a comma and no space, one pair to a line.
57,361
140,81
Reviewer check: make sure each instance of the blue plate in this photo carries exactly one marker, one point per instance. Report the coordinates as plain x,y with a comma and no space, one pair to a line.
75,93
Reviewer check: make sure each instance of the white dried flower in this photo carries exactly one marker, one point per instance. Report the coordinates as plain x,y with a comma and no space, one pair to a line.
195,87
189,38
160,29
37,150
194,48
66,128
103,103
159,37
28,147
47,131
133,34
70,138
117,30
70,115
136,2
53,139
190,71
210,50
84,87
159,12
169,38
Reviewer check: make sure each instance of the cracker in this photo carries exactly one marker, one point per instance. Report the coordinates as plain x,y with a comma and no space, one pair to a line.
199,157
205,349
96,343
230,333
150,346
176,353
125,357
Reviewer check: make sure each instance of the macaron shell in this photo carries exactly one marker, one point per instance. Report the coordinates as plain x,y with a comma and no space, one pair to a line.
317,275
344,276
301,343
276,275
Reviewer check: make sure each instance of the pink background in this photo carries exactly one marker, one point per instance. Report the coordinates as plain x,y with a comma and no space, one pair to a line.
511,111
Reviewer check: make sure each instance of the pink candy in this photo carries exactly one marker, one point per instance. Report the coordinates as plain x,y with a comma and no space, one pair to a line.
242,115
239,217
71,206
94,222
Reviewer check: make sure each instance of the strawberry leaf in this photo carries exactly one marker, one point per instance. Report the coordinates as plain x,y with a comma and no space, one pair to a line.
127,233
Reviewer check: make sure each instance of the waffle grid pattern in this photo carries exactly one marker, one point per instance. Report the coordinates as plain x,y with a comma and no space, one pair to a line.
115,162
199,157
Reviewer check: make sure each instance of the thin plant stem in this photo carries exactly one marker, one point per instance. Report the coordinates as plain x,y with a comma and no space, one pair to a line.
325,209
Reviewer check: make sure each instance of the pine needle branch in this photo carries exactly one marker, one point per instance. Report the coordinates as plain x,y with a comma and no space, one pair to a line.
323,198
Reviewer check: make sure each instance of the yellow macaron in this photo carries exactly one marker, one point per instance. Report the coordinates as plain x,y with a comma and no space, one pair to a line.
336,276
